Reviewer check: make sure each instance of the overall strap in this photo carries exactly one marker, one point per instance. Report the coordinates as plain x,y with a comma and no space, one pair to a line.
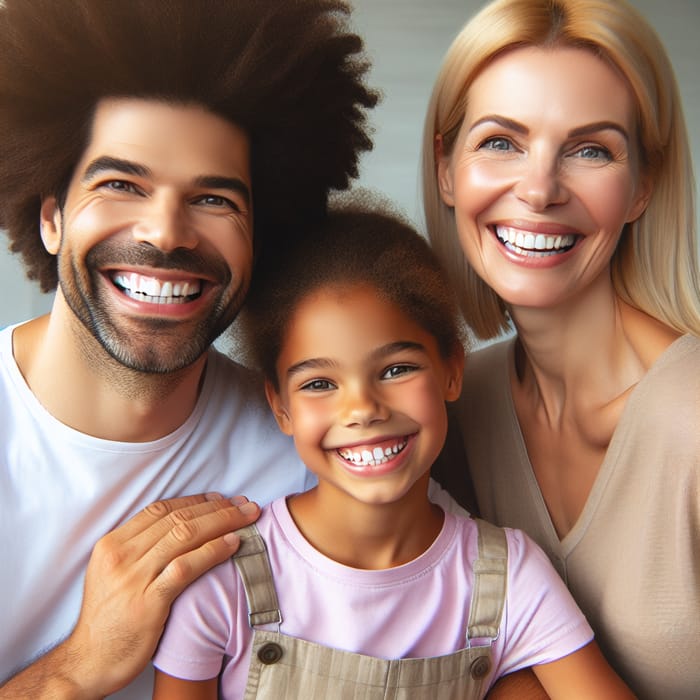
254,568
490,579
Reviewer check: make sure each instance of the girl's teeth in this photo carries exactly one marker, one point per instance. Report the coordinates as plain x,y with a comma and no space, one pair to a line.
376,456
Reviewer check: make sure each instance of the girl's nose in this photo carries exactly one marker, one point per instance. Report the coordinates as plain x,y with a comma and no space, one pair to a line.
363,407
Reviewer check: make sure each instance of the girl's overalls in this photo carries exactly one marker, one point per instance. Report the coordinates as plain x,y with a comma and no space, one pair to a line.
284,667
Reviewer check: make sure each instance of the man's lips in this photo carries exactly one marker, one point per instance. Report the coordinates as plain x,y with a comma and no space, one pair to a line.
533,243
373,454
156,291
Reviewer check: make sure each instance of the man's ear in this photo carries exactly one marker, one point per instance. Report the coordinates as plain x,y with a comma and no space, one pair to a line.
455,372
50,224
444,174
278,408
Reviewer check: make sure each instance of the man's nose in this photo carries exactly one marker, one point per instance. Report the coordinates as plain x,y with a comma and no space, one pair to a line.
164,224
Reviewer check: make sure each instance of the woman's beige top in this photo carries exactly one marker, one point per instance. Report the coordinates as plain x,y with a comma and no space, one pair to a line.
632,560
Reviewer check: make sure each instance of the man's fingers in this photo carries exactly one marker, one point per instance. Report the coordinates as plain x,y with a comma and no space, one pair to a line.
188,529
183,570
160,510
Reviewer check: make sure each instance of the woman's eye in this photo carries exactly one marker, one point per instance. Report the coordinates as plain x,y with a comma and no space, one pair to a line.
397,371
317,385
497,143
593,153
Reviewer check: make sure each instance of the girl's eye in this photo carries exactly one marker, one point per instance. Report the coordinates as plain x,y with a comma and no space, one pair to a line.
317,385
398,370
217,201
593,153
497,143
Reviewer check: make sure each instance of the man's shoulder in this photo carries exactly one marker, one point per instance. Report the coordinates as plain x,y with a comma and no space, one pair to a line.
229,375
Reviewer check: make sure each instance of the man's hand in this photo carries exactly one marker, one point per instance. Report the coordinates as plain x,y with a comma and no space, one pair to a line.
134,574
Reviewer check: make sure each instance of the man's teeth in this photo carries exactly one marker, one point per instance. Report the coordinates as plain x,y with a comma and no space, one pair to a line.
373,457
155,292
534,243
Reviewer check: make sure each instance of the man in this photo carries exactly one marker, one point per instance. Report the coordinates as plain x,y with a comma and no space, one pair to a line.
149,151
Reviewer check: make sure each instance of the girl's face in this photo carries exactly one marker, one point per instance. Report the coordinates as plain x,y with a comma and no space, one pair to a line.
544,173
363,390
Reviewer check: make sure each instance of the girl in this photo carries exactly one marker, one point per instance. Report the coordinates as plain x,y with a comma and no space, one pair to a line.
362,587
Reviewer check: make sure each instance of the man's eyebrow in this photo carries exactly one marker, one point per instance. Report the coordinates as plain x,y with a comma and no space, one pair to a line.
120,165
128,167
221,182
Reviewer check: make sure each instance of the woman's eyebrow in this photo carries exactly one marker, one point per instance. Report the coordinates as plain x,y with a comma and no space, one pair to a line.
599,126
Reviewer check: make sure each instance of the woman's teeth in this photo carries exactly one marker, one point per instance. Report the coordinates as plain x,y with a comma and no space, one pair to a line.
534,243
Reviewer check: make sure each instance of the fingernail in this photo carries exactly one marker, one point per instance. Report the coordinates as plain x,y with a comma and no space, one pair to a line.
213,496
239,500
248,508
232,539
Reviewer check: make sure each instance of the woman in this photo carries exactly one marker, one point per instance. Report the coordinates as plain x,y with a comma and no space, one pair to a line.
558,190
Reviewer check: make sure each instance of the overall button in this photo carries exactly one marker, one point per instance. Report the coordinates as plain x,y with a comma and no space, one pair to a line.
480,667
270,653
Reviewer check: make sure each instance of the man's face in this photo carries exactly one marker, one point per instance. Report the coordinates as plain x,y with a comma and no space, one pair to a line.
155,240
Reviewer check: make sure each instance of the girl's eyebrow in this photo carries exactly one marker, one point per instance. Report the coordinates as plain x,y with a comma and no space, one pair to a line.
398,346
314,363
311,363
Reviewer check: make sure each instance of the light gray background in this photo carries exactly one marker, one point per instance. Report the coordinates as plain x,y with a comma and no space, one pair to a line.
406,40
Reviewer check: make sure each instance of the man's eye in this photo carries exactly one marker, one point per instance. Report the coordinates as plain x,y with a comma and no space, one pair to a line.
119,186
217,201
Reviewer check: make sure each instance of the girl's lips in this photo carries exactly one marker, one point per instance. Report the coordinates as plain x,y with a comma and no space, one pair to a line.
370,466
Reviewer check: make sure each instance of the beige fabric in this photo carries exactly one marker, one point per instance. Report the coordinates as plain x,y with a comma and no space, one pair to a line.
286,667
632,561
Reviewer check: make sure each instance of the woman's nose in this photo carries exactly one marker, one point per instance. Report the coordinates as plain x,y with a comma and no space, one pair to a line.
540,185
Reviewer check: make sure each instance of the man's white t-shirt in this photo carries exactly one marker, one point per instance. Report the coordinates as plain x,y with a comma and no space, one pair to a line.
61,490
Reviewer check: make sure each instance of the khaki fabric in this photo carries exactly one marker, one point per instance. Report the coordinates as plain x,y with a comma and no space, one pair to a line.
632,560
286,667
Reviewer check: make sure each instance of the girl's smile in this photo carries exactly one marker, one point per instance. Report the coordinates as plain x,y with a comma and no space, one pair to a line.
363,390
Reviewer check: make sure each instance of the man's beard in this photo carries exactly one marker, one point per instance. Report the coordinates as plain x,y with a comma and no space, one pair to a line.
155,345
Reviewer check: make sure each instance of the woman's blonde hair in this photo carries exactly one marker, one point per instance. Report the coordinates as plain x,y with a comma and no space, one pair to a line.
655,266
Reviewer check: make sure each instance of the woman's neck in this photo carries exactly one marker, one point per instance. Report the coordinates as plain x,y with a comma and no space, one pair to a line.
591,350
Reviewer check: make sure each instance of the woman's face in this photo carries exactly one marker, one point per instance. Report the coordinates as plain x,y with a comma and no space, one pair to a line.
544,173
